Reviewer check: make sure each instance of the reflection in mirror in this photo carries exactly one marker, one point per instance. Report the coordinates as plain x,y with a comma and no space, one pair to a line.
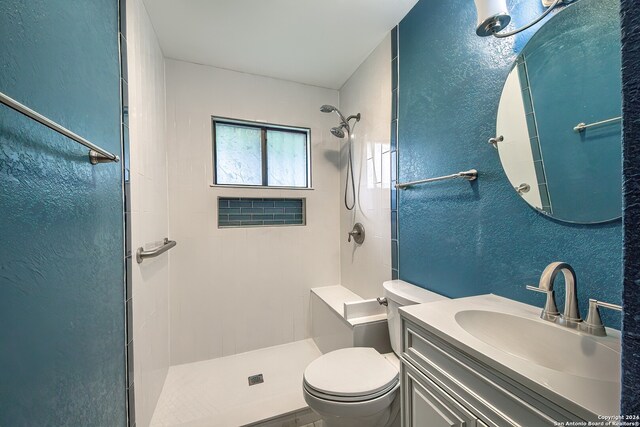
559,116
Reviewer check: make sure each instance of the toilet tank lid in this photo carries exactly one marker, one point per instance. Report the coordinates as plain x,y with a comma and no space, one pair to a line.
405,293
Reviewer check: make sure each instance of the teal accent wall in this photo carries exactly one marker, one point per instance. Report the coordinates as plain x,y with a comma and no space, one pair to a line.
459,238
583,65
61,259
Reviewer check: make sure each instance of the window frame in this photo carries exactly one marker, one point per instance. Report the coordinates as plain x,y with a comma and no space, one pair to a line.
264,128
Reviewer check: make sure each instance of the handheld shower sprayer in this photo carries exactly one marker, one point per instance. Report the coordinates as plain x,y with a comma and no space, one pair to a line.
339,132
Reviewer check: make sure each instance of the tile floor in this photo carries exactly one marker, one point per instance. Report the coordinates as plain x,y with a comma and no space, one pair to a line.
215,392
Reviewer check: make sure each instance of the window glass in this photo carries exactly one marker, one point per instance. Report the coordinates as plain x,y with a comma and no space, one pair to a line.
286,158
255,154
238,155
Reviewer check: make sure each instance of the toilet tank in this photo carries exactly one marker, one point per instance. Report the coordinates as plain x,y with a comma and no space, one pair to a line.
400,293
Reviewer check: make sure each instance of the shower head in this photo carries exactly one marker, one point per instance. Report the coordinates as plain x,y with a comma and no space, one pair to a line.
331,109
337,131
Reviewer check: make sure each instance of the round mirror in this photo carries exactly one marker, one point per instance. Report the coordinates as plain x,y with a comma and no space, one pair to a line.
559,125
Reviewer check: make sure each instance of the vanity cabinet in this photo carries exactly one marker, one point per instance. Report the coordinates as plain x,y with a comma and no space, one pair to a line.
443,386
424,400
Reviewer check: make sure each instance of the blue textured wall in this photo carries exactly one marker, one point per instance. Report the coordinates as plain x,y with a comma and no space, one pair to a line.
590,193
460,238
61,258
631,136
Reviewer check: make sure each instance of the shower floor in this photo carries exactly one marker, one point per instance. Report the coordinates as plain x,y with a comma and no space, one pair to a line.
215,392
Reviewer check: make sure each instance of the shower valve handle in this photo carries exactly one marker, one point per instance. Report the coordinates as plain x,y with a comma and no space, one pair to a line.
357,233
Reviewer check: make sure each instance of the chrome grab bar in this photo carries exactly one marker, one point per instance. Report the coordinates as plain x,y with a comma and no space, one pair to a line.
96,154
141,254
469,175
580,127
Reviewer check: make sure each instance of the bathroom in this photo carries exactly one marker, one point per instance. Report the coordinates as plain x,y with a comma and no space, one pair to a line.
305,213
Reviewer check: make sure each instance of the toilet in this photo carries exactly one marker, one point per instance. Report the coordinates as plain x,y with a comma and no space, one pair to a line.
358,386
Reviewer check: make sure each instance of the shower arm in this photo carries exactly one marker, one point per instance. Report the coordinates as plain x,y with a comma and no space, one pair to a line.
353,116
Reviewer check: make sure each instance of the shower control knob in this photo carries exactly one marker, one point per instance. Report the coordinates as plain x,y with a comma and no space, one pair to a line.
357,233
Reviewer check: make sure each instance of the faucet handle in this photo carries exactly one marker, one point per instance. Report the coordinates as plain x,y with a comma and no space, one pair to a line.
550,310
357,233
593,325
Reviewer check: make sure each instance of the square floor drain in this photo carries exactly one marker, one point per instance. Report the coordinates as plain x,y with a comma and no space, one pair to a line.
255,379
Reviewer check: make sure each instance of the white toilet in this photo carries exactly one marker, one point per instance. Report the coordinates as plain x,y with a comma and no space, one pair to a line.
358,386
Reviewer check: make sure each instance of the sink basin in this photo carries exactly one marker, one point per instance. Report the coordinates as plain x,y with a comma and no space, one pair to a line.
543,343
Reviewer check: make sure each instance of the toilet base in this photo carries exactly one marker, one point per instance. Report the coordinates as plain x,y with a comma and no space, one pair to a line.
387,416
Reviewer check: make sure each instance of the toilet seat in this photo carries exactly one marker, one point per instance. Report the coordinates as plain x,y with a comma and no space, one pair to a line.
354,374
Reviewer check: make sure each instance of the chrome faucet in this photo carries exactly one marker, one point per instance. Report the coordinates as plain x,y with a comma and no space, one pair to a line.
571,316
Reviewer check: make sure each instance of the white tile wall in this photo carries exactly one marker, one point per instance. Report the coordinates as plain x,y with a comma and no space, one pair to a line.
234,290
368,91
150,213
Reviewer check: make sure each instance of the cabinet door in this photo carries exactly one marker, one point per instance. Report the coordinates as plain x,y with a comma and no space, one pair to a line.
426,404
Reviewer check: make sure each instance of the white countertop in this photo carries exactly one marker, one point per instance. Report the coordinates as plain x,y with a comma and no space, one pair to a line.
578,394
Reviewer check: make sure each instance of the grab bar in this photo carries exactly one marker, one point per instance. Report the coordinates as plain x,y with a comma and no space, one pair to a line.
580,127
469,175
96,154
141,254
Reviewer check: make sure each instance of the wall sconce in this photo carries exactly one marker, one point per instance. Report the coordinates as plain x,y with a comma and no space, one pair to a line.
493,16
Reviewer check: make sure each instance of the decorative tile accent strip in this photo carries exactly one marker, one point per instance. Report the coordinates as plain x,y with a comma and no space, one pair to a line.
126,174
534,140
395,82
260,212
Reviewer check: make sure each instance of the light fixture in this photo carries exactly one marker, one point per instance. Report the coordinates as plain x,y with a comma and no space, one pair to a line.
493,16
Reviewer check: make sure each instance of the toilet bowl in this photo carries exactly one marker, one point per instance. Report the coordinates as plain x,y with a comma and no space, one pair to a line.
358,386
351,387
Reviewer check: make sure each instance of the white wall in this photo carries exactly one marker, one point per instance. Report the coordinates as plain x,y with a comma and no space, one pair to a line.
234,290
150,219
515,151
368,91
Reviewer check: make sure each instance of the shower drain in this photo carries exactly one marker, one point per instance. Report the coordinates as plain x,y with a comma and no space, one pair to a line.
255,379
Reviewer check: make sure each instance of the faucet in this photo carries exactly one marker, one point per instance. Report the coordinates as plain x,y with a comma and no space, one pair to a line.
571,316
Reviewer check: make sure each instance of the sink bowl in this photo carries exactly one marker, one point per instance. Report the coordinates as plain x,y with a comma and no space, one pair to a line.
543,343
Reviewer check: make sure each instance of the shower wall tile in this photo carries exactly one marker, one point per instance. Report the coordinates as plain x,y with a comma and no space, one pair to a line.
394,105
149,287
394,42
394,73
124,68
131,405
368,92
239,289
125,101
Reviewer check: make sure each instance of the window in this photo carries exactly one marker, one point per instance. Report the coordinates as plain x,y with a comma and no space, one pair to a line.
255,154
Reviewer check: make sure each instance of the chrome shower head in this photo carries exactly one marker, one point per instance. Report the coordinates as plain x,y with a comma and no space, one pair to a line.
331,109
337,131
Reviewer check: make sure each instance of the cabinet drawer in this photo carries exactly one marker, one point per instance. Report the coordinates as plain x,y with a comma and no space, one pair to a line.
497,400
423,400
